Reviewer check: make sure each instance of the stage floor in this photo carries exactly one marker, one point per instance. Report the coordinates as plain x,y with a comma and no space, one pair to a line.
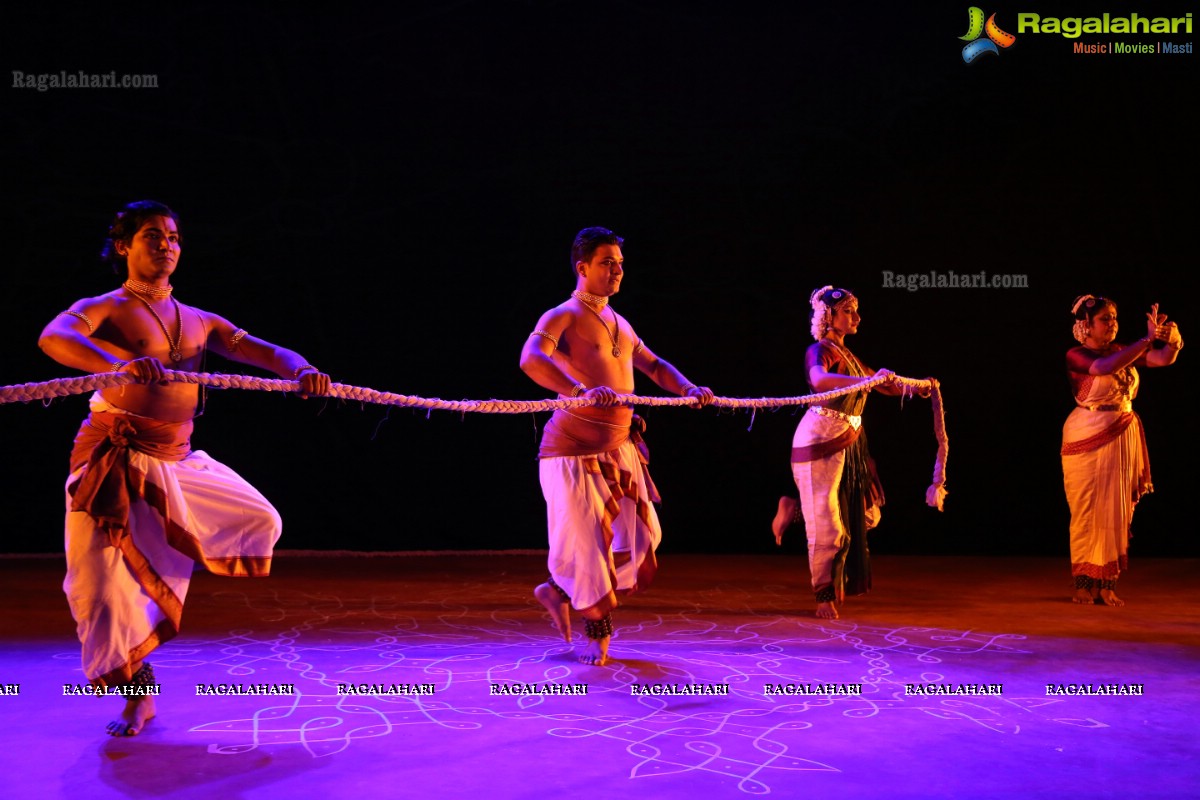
461,625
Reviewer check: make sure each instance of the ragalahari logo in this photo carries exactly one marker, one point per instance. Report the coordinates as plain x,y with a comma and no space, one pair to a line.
976,27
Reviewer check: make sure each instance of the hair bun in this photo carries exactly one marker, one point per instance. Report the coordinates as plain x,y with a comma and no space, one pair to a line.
815,298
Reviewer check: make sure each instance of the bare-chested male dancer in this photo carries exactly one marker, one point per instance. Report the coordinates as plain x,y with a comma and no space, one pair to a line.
142,505
599,496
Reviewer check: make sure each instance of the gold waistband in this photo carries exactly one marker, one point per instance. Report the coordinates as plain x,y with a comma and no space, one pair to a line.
1125,406
853,420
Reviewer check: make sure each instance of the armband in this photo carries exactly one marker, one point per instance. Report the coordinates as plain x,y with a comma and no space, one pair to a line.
236,338
82,316
547,335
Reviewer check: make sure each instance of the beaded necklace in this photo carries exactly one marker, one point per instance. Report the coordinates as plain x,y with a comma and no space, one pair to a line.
157,292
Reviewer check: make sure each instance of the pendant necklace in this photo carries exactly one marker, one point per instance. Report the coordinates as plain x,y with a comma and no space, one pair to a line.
615,334
176,345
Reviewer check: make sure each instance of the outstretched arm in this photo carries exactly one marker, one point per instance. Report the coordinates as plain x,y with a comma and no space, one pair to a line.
816,360
668,377
237,345
1082,360
821,380
1140,352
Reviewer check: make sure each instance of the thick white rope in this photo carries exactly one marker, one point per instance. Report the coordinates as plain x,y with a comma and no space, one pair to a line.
63,387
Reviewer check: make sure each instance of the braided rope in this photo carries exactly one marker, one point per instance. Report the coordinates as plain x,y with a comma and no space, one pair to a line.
935,495
63,387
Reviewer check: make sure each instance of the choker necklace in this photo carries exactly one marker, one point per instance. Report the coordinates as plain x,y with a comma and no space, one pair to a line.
176,346
589,299
615,334
157,292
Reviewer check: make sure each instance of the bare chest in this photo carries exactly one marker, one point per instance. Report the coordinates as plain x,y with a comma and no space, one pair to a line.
601,336
173,333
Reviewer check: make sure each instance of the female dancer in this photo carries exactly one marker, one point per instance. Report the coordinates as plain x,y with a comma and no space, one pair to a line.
1106,468
840,495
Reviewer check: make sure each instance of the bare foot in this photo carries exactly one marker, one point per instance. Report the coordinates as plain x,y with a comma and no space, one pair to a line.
596,652
1109,598
784,514
827,611
560,611
137,712
1083,597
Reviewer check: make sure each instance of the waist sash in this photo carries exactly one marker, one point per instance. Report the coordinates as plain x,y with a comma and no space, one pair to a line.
819,450
568,434
108,485
1096,441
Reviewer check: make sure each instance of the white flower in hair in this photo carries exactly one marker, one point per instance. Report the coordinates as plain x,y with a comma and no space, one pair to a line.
1080,329
820,313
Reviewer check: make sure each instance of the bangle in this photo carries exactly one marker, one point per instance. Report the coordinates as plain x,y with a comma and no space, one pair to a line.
578,389
303,367
116,366
687,387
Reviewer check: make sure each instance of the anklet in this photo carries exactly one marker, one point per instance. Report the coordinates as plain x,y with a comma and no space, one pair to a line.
826,594
598,628
1084,582
144,676
566,598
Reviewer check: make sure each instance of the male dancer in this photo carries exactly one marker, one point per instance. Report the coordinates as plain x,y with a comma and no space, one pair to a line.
142,506
602,525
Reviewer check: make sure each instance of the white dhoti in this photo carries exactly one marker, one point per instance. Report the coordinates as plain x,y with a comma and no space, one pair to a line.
127,591
603,528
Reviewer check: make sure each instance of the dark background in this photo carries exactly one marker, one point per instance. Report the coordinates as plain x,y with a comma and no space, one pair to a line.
392,191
